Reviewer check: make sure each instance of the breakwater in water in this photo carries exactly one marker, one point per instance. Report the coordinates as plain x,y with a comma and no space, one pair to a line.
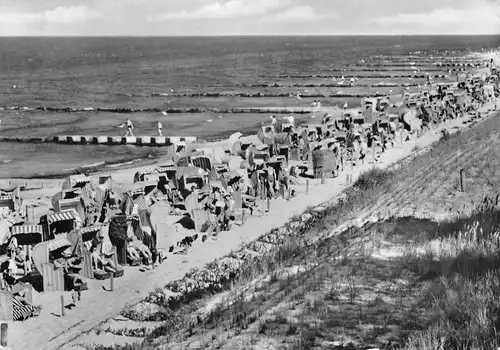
299,110
105,140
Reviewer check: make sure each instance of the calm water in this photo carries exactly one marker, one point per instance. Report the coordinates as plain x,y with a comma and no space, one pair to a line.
128,72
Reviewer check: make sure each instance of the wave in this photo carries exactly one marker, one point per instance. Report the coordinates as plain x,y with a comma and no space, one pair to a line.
302,110
330,85
89,168
386,76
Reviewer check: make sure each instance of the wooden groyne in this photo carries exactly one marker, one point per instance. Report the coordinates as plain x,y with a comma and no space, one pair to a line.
104,140
275,110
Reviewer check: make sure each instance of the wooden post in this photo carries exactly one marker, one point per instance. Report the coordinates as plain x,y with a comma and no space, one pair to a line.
462,180
243,212
350,173
3,334
111,283
323,178
373,152
62,305
217,228
401,137
307,185
268,204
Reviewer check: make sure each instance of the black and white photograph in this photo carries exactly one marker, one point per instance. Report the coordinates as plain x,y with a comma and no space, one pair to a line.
249,174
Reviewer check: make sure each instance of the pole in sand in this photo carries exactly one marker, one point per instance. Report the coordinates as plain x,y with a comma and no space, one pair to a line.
307,186
111,283
62,305
243,212
3,334
462,180
350,173
268,204
323,178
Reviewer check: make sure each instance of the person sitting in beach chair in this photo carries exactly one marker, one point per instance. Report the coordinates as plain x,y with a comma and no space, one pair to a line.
20,260
7,269
71,266
133,254
138,249
102,261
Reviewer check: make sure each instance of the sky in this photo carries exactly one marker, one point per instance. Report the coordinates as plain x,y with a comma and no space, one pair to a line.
247,17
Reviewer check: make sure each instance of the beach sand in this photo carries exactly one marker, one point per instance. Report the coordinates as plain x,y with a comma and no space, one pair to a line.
98,305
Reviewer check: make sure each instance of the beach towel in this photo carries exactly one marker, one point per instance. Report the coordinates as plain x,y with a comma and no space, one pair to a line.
21,311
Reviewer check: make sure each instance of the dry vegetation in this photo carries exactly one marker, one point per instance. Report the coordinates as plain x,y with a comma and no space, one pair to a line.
405,261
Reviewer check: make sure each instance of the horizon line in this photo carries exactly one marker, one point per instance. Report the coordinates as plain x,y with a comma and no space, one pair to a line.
233,35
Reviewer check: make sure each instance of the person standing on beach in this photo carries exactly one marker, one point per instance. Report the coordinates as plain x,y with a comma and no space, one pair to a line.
274,121
130,127
159,126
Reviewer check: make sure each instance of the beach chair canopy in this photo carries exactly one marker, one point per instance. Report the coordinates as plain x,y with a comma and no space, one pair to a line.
191,171
90,229
202,162
261,147
141,185
26,229
62,216
216,184
75,181
235,136
58,243
84,234
104,179
7,201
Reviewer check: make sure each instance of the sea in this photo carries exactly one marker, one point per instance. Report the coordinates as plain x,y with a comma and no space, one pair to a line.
73,76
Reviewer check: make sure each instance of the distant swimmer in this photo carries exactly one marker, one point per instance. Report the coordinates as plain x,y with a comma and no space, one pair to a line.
130,127
160,127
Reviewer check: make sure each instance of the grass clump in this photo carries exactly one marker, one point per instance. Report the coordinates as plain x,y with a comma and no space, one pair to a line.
372,178
464,279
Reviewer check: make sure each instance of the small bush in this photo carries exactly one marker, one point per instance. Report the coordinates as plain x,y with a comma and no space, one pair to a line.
373,178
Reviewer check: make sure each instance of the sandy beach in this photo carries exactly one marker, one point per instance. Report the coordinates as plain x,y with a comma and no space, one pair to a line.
98,305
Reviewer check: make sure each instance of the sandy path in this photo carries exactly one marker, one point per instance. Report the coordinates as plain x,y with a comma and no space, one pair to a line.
49,331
